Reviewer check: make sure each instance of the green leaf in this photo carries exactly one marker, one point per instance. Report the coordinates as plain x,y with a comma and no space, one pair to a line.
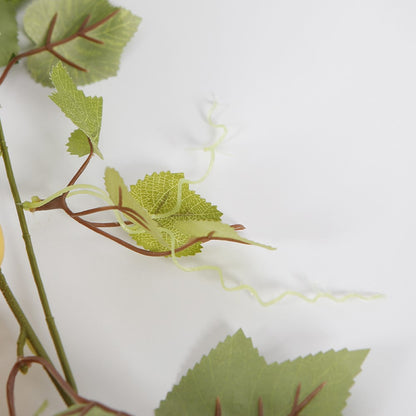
180,213
99,60
120,195
85,112
236,374
218,230
78,144
158,194
8,31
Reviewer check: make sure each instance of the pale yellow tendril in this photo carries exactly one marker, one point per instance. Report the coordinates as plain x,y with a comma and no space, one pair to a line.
211,149
255,294
288,293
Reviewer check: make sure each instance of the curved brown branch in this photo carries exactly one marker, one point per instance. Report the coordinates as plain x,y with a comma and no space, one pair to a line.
50,46
51,370
95,228
60,203
84,165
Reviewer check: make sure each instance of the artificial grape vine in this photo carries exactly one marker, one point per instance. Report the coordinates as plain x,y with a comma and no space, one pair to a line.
160,213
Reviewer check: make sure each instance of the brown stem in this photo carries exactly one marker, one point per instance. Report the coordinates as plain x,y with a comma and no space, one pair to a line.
84,23
51,28
260,407
298,407
51,370
67,61
50,46
238,227
218,410
109,224
84,165
95,228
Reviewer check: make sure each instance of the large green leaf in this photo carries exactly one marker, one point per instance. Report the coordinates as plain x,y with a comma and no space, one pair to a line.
238,376
180,213
100,60
85,112
8,31
158,194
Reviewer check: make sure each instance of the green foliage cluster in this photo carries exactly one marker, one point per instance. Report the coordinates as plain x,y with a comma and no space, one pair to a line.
165,215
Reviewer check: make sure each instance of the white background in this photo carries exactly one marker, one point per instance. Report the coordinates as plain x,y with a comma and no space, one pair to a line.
319,98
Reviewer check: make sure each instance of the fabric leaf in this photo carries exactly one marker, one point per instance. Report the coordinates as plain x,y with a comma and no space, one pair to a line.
158,194
219,230
85,112
78,143
100,60
120,195
8,31
238,376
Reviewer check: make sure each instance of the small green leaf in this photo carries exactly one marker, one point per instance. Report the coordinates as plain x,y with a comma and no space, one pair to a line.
158,194
120,196
218,230
8,31
236,374
100,60
78,144
85,112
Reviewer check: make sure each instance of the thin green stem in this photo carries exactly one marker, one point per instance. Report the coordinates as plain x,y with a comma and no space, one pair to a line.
53,330
27,329
70,190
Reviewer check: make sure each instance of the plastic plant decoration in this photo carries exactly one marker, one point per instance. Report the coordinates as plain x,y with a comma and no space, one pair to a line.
76,42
